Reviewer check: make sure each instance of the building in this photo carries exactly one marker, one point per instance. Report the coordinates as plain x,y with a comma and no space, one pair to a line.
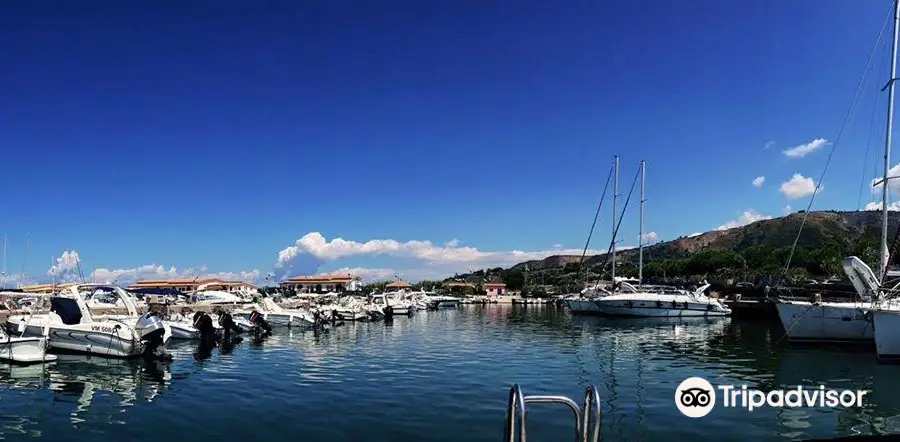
398,285
322,284
191,285
495,288
45,288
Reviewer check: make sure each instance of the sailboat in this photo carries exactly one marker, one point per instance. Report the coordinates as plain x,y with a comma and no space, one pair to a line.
655,301
857,321
584,302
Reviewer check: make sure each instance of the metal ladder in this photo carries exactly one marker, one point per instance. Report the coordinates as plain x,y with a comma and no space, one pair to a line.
515,414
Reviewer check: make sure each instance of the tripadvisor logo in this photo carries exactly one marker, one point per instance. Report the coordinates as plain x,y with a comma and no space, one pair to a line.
696,397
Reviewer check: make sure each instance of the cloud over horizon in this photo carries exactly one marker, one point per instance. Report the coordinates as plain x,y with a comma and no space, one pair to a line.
806,149
748,217
798,186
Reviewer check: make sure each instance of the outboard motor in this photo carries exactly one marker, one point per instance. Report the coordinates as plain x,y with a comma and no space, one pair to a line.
226,322
257,318
203,323
151,331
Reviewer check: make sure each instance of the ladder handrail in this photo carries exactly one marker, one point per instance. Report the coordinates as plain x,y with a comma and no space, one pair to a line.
591,403
514,430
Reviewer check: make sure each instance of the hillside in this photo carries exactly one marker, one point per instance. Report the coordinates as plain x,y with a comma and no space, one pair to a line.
748,252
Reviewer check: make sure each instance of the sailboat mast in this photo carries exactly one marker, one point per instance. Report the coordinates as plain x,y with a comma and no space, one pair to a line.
887,145
614,224
25,266
641,222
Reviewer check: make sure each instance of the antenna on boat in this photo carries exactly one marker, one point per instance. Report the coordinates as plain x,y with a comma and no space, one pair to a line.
614,224
4,260
641,227
885,192
25,265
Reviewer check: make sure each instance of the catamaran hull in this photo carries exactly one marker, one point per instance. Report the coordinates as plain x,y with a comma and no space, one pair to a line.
650,310
825,323
24,350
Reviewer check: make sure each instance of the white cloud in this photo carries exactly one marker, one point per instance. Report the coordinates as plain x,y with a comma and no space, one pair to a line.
311,250
894,206
66,267
769,144
787,210
806,149
695,234
649,237
557,246
798,186
894,185
66,270
452,243
758,181
748,217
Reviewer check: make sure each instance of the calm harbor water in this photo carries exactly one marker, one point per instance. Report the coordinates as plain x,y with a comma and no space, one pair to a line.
444,376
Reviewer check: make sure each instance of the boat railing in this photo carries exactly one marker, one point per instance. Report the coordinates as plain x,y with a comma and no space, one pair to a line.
515,431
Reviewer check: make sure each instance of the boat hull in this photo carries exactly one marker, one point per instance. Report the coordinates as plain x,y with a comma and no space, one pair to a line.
840,323
25,350
886,324
660,306
583,307
183,331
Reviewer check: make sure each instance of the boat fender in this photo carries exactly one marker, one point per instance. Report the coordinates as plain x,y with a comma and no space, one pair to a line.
685,305
629,304
709,307
658,304
674,304
21,326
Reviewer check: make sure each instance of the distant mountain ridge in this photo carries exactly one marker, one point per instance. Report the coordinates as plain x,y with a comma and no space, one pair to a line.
841,227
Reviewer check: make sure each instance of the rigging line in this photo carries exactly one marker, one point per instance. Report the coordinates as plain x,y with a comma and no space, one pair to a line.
847,117
594,224
619,223
862,181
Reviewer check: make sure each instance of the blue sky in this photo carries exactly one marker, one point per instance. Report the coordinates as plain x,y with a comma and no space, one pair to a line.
179,138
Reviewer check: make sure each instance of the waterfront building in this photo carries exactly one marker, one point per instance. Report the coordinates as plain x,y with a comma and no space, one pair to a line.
322,284
191,285
495,288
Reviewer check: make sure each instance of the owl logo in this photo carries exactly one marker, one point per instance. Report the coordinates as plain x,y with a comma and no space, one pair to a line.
695,397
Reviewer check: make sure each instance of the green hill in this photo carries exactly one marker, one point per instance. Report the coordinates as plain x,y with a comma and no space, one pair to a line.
753,252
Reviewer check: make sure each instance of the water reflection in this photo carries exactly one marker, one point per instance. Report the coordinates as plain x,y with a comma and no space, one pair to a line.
78,380
432,373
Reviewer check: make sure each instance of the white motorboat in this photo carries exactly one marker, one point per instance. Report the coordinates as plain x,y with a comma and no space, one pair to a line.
24,350
660,302
278,316
381,301
398,304
70,326
215,297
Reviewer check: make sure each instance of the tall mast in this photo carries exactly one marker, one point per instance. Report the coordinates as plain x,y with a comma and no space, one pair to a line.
4,259
641,228
25,266
615,209
887,145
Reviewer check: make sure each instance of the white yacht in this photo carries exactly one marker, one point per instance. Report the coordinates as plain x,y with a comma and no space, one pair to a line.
650,301
70,325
